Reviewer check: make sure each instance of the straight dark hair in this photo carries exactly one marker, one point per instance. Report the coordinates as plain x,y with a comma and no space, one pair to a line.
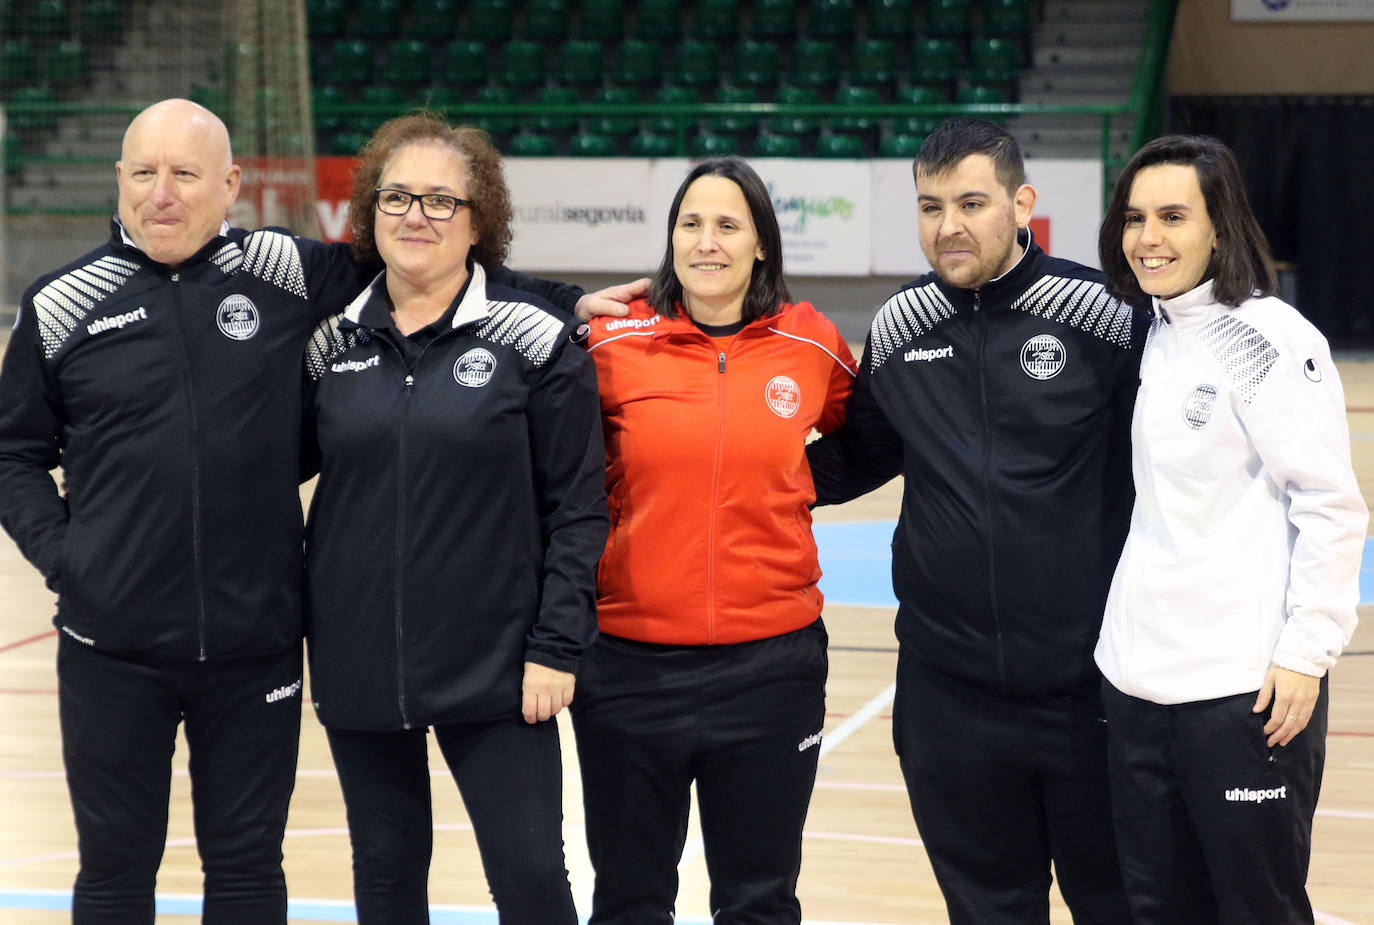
963,136
767,289
1241,266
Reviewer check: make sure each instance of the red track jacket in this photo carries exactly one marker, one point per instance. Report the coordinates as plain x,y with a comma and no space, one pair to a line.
706,474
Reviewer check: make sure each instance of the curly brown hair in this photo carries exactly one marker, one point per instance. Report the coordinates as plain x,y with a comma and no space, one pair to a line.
486,182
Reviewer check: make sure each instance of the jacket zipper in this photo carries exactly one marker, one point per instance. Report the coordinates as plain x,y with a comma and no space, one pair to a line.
715,491
194,459
987,488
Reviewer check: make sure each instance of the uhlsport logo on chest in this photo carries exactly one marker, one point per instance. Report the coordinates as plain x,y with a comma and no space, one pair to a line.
1043,357
237,317
474,369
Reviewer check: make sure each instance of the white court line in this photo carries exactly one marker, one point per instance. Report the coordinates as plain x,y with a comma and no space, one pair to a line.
1330,919
693,849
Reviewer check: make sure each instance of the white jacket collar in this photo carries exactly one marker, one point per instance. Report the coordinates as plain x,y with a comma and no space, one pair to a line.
1195,305
472,308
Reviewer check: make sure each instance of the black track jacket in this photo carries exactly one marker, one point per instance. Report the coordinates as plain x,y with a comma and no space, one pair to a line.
460,512
1009,411
171,399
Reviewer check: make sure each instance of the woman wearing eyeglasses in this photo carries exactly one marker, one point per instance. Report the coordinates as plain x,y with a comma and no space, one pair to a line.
454,533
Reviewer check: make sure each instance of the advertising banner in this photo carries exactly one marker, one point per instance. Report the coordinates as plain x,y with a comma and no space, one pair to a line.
1302,10
838,218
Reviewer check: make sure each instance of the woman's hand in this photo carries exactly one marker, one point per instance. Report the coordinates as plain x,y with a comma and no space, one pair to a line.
546,691
611,300
1294,696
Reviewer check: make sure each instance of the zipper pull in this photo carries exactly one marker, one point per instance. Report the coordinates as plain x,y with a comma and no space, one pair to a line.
410,380
977,301
720,364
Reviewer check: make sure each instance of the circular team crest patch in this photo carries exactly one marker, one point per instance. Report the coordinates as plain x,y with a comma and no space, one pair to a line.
783,396
1197,407
474,368
237,317
1042,357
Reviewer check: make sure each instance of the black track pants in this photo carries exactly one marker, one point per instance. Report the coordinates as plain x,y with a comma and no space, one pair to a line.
1215,827
119,721
510,776
1001,787
743,722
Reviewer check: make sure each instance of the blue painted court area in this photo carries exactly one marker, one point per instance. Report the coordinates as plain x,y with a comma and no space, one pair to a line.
856,564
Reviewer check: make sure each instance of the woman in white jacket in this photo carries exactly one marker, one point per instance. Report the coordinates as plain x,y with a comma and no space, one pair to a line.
1237,587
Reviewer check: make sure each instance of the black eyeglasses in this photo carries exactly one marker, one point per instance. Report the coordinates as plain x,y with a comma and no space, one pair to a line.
432,205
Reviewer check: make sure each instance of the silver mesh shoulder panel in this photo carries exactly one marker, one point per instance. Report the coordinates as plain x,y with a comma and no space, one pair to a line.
326,342
62,304
907,315
532,331
1081,304
1244,353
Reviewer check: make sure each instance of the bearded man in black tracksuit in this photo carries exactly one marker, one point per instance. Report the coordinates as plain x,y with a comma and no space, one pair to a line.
161,371
1002,386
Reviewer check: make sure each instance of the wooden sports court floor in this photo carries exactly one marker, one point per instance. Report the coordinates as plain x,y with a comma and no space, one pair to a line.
863,860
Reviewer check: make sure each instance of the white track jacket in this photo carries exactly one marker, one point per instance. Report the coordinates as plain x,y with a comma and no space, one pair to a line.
1245,541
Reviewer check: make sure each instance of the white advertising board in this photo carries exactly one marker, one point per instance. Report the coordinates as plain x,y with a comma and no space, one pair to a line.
1302,10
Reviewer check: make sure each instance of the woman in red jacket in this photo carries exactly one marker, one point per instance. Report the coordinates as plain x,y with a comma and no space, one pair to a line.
711,663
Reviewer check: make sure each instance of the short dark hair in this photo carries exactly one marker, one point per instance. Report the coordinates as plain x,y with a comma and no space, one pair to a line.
1241,266
963,136
767,288
486,182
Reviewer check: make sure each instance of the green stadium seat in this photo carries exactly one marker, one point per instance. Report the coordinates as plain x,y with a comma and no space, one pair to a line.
636,62
556,96
13,150
916,125
350,63
756,62
17,63
39,119
347,143
698,63
579,63
900,145
544,19
814,63
833,145
794,125
497,124
980,93
874,61
99,19
66,63
950,18
933,60
714,19
326,18
531,144
890,19
432,19
489,21
776,19
831,18
599,20
993,59
851,96
407,63
712,144
591,144
46,20
671,95
1006,17
768,145
463,63
321,96
615,125
652,144
377,18
657,19
521,63
733,123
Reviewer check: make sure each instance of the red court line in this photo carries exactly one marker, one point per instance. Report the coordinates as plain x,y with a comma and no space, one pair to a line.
23,642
